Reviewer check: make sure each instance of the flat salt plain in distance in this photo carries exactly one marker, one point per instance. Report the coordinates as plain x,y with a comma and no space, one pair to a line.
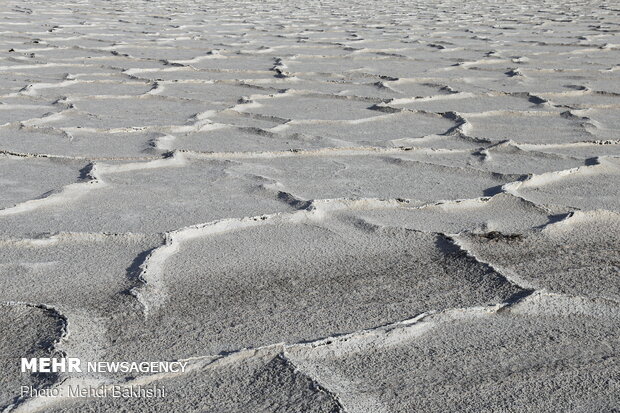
320,207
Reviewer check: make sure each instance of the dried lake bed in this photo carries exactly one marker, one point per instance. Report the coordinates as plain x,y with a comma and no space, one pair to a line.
331,206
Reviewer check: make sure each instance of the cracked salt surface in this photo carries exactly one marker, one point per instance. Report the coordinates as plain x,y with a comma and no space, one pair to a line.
335,207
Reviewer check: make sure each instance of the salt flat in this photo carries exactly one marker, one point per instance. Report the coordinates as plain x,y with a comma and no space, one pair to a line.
317,206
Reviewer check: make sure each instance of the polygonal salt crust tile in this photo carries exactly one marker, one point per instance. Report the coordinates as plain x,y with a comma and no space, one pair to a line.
412,88
452,142
12,82
78,142
375,176
60,54
376,131
86,277
262,383
128,62
484,82
552,81
187,74
27,331
372,90
449,53
328,278
303,65
232,117
534,128
161,196
364,88
73,271
577,256
234,62
305,50
492,65
18,112
219,93
587,59
443,86
502,212
246,139
112,75
547,353
589,188
158,52
79,42
507,158
585,99
467,103
311,108
53,72
489,80
604,81
605,123
95,89
592,60
401,68
24,179
197,41
19,100
584,150
502,159
131,112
